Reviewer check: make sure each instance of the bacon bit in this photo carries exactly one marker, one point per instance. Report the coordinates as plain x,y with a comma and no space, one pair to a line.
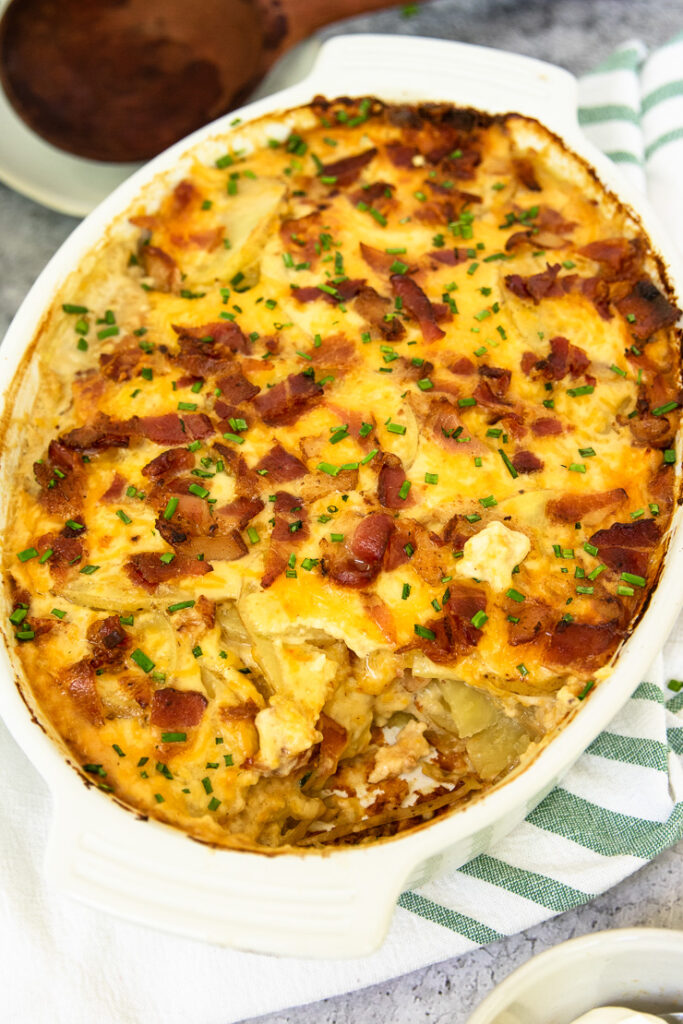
302,236
445,424
79,682
115,490
206,610
246,480
625,547
553,221
168,464
411,372
650,431
286,401
122,362
61,495
498,379
449,257
537,286
168,429
380,613
146,569
241,511
465,167
463,366
525,173
391,479
458,531
573,508
582,645
373,307
534,240
245,712
336,352
288,511
109,641
535,620
345,290
203,358
102,433
651,309
65,550
290,528
332,746
161,268
418,305
378,260
546,426
348,168
177,709
454,633
236,388
564,358
281,465
358,561
621,257
486,396
380,194
662,486
400,155
526,462
184,194
425,559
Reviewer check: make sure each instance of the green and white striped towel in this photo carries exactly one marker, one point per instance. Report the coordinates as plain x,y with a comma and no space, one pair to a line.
620,806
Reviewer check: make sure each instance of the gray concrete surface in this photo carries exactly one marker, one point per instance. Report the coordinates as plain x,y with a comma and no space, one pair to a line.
576,34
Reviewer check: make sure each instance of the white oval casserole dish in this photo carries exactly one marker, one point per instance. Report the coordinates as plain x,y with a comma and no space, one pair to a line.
337,904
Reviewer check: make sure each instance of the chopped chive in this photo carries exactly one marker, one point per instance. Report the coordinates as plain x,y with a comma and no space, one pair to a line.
662,410
141,659
123,517
69,307
425,384
522,669
424,632
431,478
171,506
252,534
510,468
327,467
88,570
179,606
630,577
464,402
405,592
404,490
199,492
478,619
587,689
27,554
586,453
590,548
585,389
577,467
396,428
515,595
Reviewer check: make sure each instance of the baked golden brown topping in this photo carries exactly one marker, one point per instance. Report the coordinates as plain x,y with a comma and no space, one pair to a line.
350,468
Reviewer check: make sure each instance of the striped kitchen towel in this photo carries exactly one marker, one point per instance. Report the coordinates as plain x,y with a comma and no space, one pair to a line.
619,807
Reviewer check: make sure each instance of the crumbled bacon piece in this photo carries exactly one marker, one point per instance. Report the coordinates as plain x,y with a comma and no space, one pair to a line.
115,490
281,466
236,388
177,709
161,268
526,462
534,619
454,633
348,168
240,511
546,426
418,305
582,645
109,641
572,508
537,286
621,258
79,683
102,433
169,428
649,308
169,464
525,173
449,257
286,401
401,155
147,570
121,363
626,547
290,528
358,561
373,307
390,481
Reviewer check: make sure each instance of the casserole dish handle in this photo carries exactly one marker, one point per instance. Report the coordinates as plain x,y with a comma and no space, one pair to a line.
312,905
472,76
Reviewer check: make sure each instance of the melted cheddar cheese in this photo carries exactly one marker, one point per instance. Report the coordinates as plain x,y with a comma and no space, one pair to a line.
348,467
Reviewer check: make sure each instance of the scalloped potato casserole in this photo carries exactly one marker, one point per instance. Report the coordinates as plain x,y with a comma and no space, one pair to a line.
345,464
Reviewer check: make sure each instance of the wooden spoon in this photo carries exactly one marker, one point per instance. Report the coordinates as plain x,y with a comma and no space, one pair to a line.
120,80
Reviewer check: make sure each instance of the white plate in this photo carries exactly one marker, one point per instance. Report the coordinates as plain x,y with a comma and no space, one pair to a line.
640,968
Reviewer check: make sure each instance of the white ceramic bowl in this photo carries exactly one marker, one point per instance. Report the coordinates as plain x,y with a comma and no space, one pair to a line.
310,904
641,968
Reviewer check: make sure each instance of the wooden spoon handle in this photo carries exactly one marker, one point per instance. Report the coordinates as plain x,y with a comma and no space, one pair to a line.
299,18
